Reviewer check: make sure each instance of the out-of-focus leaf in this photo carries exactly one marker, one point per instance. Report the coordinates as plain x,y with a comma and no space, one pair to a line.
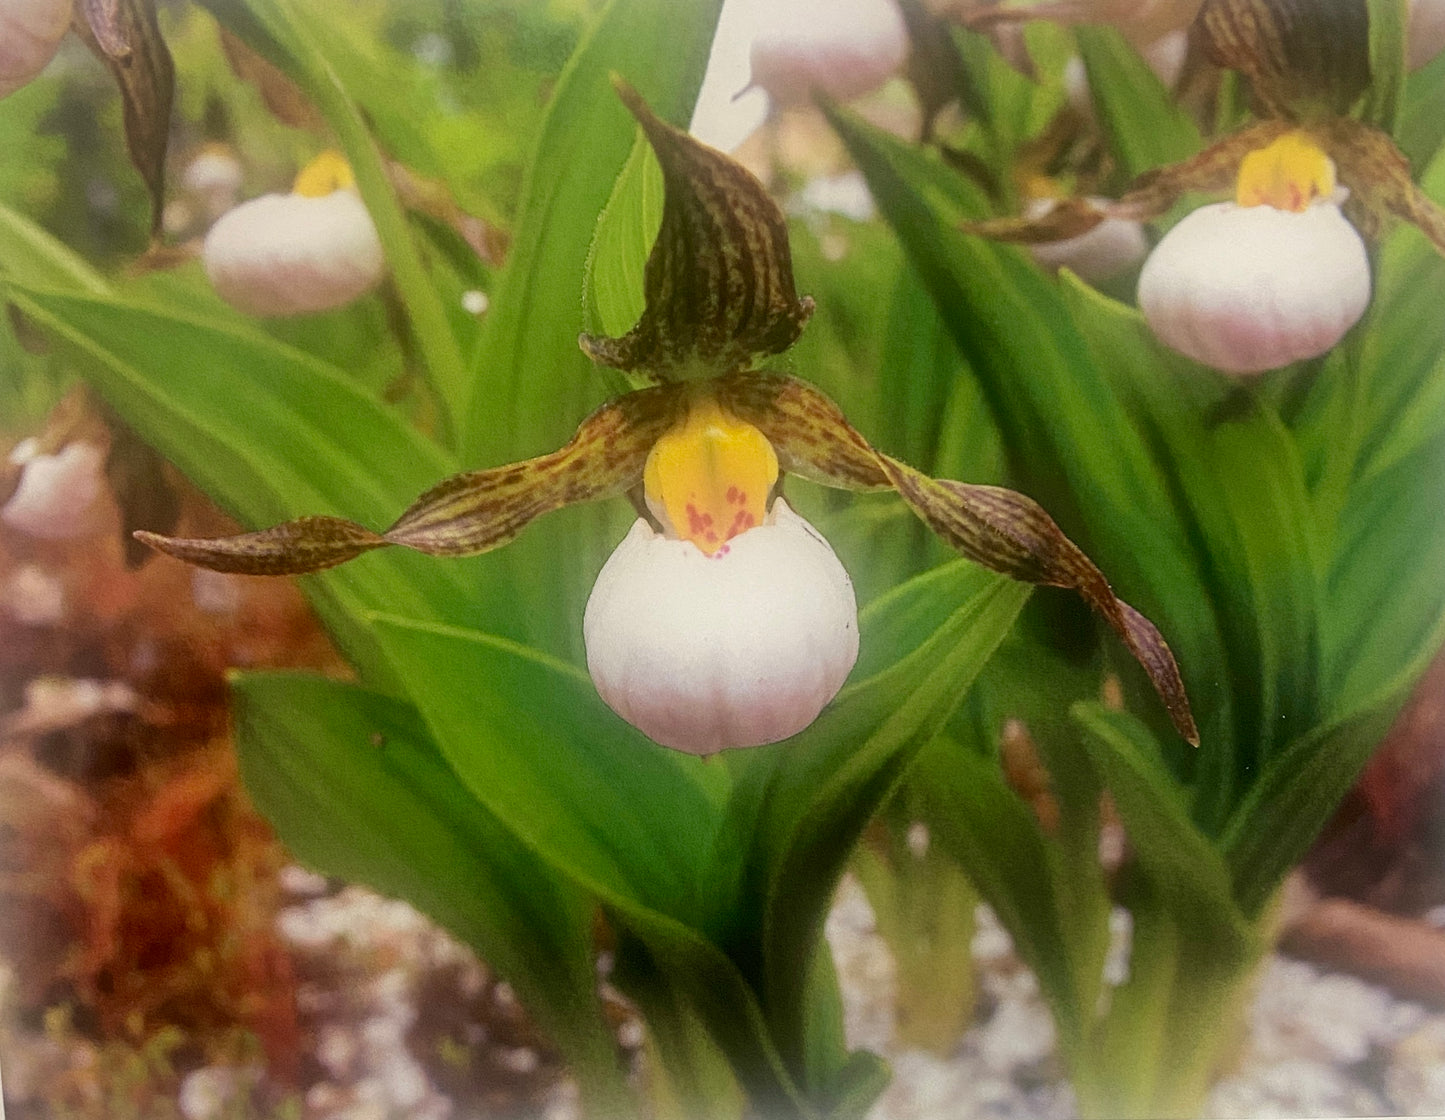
1388,21
1421,125
1145,127
125,36
355,788
269,432
1180,861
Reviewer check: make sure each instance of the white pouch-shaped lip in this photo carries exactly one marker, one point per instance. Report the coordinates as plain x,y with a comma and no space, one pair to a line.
745,647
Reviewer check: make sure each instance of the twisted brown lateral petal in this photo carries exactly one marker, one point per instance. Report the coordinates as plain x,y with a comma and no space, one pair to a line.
1000,529
467,513
471,513
307,544
1213,169
1378,174
719,280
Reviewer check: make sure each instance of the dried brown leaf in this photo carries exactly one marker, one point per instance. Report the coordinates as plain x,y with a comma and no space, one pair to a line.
125,36
1003,530
719,281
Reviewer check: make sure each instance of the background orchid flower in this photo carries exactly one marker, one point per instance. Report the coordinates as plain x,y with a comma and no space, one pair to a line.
720,291
314,249
1280,273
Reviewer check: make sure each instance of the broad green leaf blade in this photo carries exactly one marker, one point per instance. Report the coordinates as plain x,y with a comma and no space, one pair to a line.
356,788
530,735
270,433
1145,128
1383,101
1296,794
1181,862
1240,485
818,794
29,254
629,820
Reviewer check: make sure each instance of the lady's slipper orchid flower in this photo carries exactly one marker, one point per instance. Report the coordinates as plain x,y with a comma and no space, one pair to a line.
315,249
30,34
841,48
1112,247
60,495
1274,277
1281,273
724,620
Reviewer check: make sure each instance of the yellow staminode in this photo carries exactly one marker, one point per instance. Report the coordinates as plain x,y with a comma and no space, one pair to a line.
326,174
711,475
1289,174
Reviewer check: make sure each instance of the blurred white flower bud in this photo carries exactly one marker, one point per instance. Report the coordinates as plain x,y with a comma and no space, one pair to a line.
737,649
214,177
315,249
30,34
60,496
1113,246
1425,35
841,48
1251,288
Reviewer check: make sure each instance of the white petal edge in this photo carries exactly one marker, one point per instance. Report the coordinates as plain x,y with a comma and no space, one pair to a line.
292,254
60,496
1249,289
705,653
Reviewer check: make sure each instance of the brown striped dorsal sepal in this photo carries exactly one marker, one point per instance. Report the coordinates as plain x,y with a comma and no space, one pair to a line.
719,281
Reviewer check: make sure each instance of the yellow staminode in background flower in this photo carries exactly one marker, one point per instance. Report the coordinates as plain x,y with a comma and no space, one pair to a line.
30,34
736,624
1274,277
314,249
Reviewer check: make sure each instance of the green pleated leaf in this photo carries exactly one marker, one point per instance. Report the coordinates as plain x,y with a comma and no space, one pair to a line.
1145,127
355,788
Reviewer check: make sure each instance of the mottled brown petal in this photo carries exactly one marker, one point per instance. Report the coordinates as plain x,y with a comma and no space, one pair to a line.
477,511
1213,169
1003,530
1299,56
307,544
719,281
125,36
282,97
1378,175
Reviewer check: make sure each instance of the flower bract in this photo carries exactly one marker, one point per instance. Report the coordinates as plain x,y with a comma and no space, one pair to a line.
314,249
